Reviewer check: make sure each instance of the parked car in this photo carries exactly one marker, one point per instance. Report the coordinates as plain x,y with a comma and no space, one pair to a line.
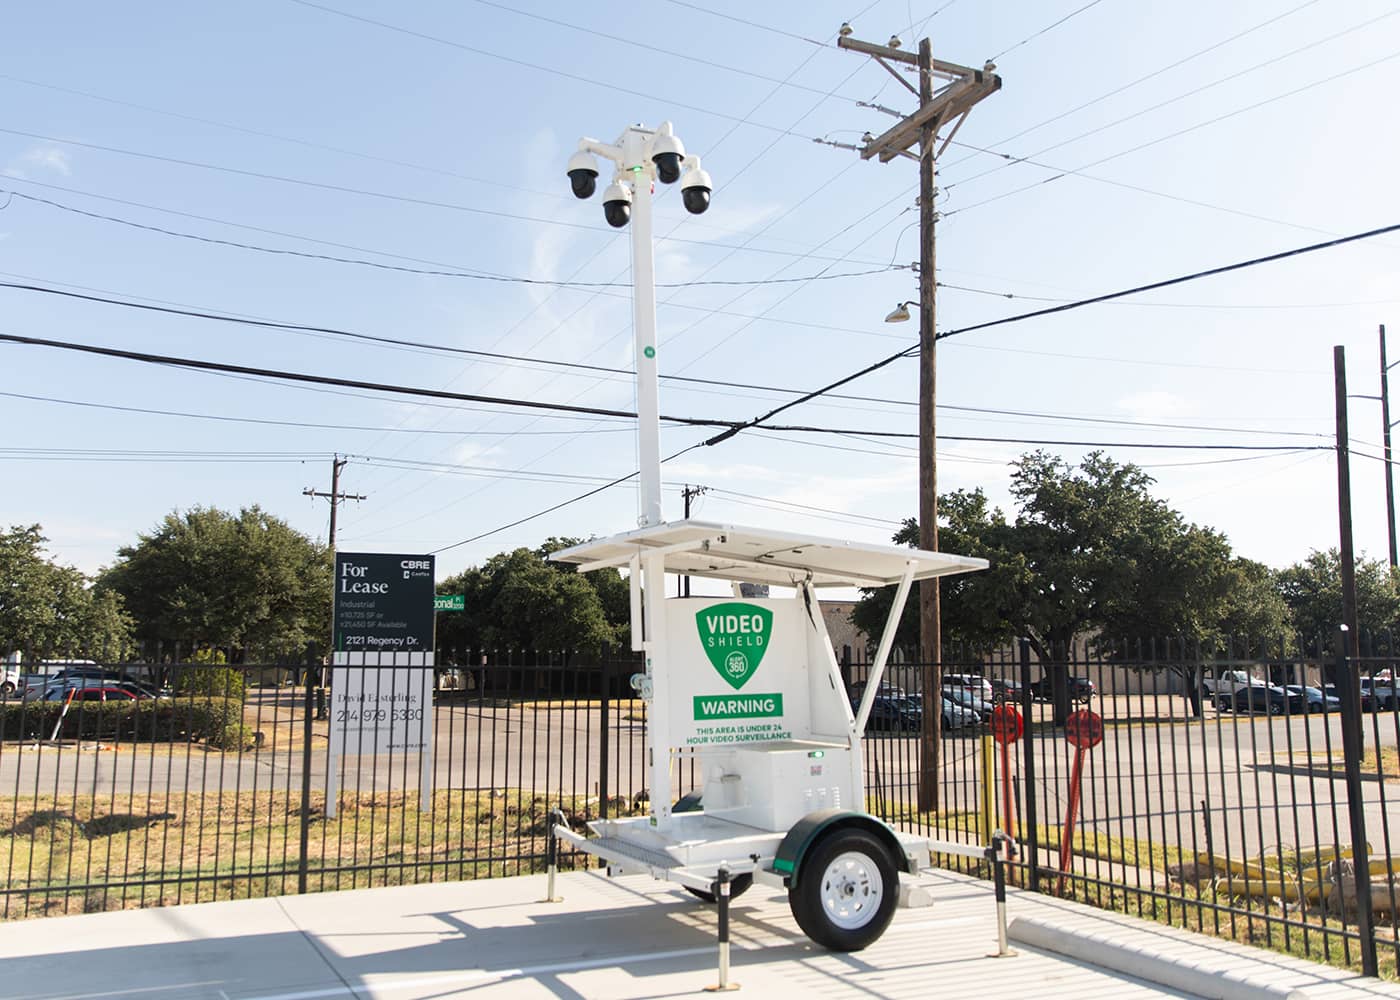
1004,689
1230,681
36,685
895,714
1314,699
1081,689
1378,694
10,674
894,711
978,685
103,693
967,699
1270,700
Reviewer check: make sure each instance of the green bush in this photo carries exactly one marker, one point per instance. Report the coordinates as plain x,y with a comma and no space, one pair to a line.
234,737
214,680
217,721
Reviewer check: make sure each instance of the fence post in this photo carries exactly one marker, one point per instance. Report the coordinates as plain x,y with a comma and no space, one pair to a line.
1029,809
1350,688
307,708
605,734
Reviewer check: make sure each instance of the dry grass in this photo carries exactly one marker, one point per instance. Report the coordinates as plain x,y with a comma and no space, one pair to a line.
86,854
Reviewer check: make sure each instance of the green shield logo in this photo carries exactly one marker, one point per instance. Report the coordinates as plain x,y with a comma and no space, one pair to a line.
735,636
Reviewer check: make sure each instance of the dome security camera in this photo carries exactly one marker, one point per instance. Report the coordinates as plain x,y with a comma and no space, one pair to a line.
617,204
667,153
695,187
583,174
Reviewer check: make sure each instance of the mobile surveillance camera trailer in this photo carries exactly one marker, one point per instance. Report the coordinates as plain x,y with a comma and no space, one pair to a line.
746,693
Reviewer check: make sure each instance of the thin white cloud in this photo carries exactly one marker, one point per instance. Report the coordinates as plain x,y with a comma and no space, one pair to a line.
41,159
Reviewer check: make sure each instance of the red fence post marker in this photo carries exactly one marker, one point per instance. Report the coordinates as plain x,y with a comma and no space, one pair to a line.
1083,731
1007,726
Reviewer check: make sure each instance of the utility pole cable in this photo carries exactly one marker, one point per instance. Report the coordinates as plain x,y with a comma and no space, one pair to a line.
963,87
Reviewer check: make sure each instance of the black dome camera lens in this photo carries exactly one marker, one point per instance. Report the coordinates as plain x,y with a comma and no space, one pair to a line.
668,167
696,199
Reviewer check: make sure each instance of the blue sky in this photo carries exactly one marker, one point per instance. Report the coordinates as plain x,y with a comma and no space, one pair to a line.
440,135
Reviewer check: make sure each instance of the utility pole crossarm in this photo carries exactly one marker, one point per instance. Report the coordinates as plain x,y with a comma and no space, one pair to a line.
953,102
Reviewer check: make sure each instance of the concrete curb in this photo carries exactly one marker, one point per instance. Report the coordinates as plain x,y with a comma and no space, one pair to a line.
1216,980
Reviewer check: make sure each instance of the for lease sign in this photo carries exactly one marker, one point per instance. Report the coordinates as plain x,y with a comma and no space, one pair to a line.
383,603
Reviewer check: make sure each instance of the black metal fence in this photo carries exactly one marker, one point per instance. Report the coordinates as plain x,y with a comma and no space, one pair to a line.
1215,791
1212,801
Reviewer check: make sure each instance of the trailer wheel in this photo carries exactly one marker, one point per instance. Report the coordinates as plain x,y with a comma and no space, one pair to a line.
847,891
738,885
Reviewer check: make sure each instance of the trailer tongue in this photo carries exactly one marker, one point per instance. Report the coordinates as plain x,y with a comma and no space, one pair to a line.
746,694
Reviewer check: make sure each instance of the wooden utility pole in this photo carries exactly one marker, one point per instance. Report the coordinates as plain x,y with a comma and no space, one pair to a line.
334,496
962,88
1347,677
687,494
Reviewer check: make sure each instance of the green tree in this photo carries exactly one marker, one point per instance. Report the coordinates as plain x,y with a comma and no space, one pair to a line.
518,601
1312,590
977,608
209,578
1090,551
48,610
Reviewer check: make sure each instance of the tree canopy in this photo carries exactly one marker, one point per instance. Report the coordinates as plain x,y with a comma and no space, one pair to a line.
517,600
1090,550
49,610
1312,591
208,577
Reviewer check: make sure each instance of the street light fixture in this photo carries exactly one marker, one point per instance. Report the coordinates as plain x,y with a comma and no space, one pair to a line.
900,313
640,157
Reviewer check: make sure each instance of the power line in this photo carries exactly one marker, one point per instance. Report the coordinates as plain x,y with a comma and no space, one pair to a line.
884,362
671,53
582,366
1049,27
770,224
1352,71
1143,79
383,253
558,506
301,424
1190,93
375,194
436,272
1156,285
198,365
525,64
752,24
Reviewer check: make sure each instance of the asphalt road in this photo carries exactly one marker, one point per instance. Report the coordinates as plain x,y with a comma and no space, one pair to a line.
1245,779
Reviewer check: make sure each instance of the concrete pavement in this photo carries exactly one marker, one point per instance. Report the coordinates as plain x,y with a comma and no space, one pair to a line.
629,937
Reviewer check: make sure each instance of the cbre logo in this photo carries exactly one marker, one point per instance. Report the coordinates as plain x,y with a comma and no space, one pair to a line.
735,636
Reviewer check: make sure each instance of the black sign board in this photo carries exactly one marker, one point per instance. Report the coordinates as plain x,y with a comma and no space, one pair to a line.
383,603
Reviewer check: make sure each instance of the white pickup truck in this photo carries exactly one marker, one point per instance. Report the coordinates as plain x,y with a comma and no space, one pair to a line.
1227,682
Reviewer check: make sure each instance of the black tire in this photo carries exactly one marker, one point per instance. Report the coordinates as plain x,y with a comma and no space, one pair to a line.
1224,705
1275,708
738,885
854,858
7,689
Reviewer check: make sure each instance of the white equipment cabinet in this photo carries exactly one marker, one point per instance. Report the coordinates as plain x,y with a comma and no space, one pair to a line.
746,694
